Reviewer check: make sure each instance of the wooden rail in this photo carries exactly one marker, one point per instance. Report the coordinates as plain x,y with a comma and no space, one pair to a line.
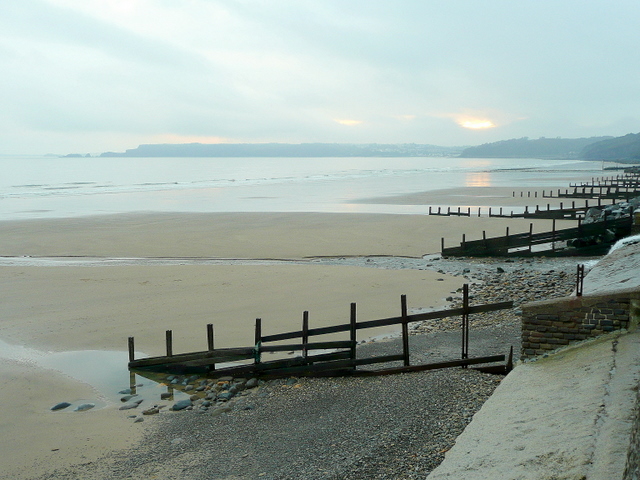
341,356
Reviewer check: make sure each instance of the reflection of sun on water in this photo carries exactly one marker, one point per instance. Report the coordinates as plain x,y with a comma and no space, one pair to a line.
477,179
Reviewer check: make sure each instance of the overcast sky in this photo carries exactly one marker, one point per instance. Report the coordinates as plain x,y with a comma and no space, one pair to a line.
97,75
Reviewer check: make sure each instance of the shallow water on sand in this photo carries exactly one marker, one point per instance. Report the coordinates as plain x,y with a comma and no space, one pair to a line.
105,371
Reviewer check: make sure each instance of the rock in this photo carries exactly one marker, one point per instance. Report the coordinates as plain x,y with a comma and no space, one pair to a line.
126,391
60,406
181,405
188,387
225,379
500,270
126,398
193,398
84,407
130,405
165,395
225,396
220,410
151,411
251,383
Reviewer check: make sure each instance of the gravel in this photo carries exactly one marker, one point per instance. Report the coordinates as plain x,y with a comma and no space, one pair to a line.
390,427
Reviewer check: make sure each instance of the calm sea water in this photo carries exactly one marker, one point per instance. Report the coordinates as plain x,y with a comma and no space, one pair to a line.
45,187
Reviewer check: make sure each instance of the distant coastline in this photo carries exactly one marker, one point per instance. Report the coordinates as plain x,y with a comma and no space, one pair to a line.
287,150
625,149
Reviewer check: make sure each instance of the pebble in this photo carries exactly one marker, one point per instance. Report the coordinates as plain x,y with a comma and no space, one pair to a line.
60,406
84,407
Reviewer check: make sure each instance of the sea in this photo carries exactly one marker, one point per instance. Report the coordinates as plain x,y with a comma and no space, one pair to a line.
59,187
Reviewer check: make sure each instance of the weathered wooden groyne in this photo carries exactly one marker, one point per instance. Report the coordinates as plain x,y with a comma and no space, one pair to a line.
335,357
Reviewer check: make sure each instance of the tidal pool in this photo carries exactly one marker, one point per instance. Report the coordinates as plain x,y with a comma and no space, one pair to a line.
105,371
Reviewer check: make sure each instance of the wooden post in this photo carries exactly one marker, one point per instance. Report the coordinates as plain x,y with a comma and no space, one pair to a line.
441,244
465,322
489,211
479,208
210,342
429,210
132,382
463,241
305,333
169,342
579,279
530,235
258,340
209,336
132,354
405,330
553,235
353,330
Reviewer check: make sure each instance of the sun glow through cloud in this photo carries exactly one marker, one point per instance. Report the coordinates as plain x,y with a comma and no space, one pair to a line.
475,123
348,122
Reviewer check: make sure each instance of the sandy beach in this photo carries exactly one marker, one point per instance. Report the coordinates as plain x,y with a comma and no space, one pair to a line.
66,308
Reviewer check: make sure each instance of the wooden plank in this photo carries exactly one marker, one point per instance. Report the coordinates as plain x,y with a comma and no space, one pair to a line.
333,365
384,322
253,368
308,346
432,366
218,356
278,365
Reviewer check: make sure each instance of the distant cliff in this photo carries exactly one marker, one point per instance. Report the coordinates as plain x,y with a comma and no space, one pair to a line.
286,150
624,149
555,148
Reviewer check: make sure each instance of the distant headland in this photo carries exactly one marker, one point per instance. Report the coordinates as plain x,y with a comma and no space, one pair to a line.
625,149
287,150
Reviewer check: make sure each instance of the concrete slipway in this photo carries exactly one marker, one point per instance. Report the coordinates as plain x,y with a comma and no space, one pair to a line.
565,417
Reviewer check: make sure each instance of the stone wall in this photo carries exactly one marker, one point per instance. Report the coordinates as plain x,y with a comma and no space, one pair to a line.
550,324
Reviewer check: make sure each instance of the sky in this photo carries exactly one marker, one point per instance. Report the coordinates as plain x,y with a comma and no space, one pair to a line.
89,76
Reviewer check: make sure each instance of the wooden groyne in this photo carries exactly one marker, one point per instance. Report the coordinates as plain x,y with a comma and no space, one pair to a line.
545,243
334,357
